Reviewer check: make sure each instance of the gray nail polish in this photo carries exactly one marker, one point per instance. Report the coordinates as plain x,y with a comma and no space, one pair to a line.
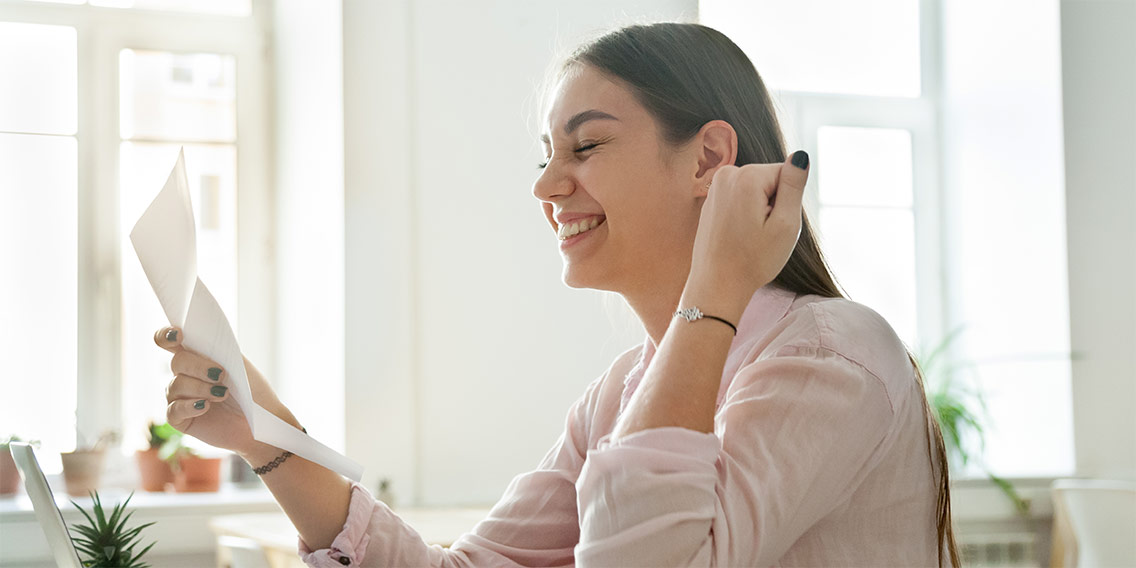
801,159
199,404
214,373
218,390
172,335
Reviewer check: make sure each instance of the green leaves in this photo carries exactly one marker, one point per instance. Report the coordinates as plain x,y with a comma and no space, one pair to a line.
105,542
957,409
160,433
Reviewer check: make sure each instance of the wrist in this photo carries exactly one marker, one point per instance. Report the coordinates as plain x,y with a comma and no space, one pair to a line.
718,301
258,453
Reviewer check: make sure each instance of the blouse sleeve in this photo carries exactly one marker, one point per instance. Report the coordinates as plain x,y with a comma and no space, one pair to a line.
796,433
534,524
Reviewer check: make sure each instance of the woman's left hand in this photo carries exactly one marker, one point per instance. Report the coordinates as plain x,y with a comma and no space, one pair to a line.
748,228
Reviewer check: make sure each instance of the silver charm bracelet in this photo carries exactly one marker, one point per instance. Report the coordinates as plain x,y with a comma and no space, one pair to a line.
695,314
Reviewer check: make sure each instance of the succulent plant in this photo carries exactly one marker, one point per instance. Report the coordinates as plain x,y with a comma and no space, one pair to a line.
107,541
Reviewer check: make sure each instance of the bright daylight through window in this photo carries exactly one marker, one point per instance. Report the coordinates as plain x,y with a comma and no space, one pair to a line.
39,190
90,126
893,99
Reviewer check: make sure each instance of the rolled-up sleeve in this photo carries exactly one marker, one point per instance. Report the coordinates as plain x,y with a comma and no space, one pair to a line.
794,436
350,545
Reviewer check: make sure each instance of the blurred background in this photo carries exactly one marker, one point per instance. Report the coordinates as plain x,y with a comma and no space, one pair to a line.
361,172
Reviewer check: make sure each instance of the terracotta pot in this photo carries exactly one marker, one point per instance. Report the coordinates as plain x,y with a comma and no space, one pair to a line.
154,471
82,470
198,474
9,476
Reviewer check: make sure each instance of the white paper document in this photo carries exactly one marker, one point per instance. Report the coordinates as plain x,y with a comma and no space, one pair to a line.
166,243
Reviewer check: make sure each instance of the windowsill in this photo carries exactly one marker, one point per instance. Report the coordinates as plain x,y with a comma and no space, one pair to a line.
19,507
181,520
979,500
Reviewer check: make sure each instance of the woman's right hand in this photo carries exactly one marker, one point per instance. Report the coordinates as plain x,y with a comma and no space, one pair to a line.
200,403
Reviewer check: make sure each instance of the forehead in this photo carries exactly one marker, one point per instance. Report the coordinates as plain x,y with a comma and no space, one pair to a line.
581,89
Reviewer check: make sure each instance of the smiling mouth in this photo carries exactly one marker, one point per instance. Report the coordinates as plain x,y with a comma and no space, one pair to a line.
569,230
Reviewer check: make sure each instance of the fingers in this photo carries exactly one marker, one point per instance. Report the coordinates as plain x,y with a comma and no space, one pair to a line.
168,338
193,389
197,380
791,186
188,363
180,412
189,398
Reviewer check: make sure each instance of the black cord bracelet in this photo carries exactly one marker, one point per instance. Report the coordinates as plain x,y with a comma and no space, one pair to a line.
275,463
695,314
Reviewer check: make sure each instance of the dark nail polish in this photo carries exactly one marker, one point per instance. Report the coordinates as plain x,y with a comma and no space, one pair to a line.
172,335
218,390
214,373
199,404
801,159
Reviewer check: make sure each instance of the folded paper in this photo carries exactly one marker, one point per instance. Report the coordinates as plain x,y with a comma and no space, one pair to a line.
165,241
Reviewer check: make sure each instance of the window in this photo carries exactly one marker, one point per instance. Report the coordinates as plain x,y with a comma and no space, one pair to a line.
926,152
170,101
90,126
38,226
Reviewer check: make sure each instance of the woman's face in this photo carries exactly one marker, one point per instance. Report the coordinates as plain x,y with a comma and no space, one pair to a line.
622,202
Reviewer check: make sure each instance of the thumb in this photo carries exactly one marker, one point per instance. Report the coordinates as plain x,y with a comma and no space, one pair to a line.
791,186
168,338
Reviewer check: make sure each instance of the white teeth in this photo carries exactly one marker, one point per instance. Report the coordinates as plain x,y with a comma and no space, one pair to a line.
569,230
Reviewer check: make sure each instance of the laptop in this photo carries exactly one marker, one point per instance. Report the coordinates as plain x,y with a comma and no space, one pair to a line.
47,513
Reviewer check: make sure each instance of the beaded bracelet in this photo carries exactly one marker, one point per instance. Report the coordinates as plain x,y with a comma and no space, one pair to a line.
275,463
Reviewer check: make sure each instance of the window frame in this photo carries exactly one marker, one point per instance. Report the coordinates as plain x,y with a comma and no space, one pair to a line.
803,113
102,33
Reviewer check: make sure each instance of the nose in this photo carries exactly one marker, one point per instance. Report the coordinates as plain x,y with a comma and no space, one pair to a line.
552,183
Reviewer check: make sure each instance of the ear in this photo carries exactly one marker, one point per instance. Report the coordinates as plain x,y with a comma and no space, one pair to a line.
716,145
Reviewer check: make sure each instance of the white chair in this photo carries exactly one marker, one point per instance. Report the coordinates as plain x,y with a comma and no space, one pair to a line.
1102,518
237,552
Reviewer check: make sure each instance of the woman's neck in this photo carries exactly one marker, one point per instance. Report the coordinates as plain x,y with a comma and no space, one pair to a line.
655,306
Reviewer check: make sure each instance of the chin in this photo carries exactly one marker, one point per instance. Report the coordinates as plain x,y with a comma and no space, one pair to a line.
574,277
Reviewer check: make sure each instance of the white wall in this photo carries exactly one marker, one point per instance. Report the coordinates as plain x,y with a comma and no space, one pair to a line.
464,350
1099,74
308,369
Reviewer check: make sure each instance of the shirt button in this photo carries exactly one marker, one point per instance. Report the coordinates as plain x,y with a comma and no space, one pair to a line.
344,560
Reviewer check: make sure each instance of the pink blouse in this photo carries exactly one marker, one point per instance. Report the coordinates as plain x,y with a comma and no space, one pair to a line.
819,457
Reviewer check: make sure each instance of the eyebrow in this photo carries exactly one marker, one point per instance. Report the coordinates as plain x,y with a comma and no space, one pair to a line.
579,119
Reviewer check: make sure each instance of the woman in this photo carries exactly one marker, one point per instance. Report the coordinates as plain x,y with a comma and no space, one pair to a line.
765,421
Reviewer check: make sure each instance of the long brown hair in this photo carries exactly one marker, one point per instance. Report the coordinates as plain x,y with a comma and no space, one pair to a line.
687,75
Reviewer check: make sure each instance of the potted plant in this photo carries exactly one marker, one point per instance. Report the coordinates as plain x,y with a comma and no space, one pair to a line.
192,472
956,409
82,468
9,476
153,470
107,541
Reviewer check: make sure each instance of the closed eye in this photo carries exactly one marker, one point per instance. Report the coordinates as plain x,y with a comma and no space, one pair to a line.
578,150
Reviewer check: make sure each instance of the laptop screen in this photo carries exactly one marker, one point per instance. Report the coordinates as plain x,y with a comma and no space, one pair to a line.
47,513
